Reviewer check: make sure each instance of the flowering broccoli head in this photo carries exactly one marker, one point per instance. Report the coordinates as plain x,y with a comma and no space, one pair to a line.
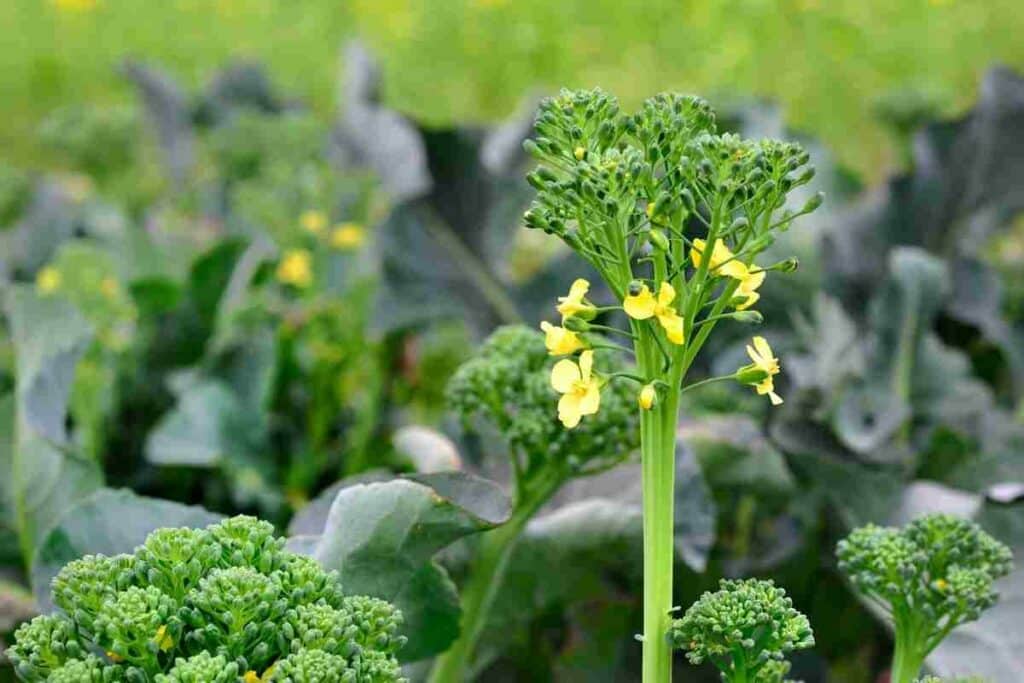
508,383
745,629
225,604
929,576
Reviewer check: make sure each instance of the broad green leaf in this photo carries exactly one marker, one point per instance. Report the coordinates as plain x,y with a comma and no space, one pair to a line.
427,449
210,425
733,454
108,522
382,538
49,338
7,436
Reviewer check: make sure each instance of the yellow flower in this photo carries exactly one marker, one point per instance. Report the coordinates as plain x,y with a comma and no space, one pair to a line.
296,268
581,392
109,287
163,639
251,677
348,236
643,305
113,656
748,288
579,153
48,280
560,341
314,222
574,304
722,259
648,395
74,5
726,263
763,359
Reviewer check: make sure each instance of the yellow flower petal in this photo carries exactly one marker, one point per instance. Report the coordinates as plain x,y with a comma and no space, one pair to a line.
673,325
640,306
251,677
296,268
163,639
586,365
572,304
564,376
590,400
667,294
560,341
569,410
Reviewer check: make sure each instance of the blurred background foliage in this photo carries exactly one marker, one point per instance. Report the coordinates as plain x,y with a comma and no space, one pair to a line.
245,284
838,69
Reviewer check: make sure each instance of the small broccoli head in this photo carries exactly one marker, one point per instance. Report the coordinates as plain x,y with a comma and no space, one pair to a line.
84,585
201,668
174,560
320,627
44,645
303,581
216,605
930,576
248,542
309,666
237,610
88,670
742,628
939,569
508,383
377,623
138,626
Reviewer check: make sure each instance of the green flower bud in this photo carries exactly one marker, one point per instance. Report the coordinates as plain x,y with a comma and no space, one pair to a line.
750,374
658,240
813,203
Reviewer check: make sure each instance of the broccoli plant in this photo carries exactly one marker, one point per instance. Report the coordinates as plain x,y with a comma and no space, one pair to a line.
507,384
745,629
224,604
672,214
930,576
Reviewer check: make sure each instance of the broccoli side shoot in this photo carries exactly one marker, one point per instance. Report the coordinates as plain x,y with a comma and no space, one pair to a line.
931,576
745,629
225,604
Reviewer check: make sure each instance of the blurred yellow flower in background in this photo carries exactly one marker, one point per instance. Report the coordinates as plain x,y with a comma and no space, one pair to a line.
314,222
109,287
48,280
74,5
348,236
296,268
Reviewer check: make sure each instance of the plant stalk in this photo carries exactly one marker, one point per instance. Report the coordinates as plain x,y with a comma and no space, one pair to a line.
906,660
484,580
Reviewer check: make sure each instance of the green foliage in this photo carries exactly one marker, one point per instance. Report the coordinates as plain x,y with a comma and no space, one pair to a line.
15,192
99,141
213,604
508,383
930,577
745,628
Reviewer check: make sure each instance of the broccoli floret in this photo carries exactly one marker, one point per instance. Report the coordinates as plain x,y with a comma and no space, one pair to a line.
303,581
88,670
743,628
43,645
174,560
201,668
377,623
240,609
930,577
508,383
372,666
248,542
218,605
84,585
310,666
321,627
138,626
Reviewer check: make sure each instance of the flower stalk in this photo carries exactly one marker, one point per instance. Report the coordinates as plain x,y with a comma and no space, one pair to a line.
626,192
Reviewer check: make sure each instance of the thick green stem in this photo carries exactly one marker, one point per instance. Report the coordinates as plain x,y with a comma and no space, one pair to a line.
484,580
907,659
657,444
